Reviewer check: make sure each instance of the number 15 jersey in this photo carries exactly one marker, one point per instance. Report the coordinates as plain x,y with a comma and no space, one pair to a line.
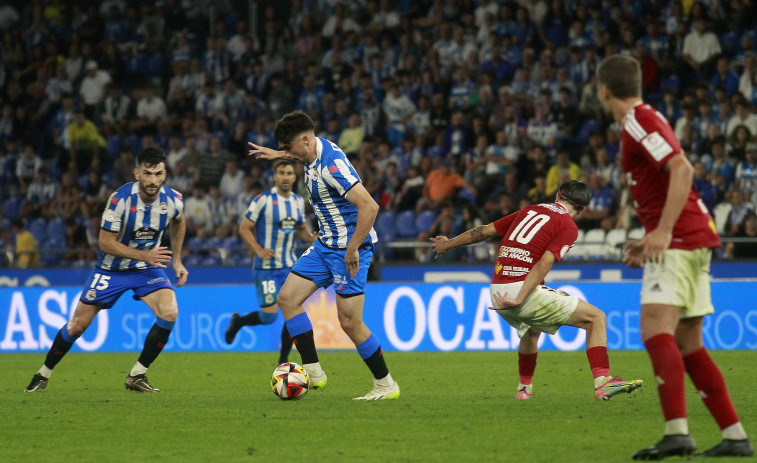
527,235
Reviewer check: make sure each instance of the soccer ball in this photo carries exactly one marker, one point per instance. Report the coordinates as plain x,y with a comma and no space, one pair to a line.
290,381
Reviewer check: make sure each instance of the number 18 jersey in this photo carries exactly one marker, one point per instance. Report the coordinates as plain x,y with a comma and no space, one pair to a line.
527,235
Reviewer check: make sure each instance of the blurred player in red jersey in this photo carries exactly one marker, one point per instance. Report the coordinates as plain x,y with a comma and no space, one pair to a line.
675,253
533,239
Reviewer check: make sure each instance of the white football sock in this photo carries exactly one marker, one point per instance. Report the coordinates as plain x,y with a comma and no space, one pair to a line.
385,381
529,387
44,371
677,426
734,432
313,369
138,369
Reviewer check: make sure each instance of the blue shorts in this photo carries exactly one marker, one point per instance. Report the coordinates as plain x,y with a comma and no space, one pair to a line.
268,283
324,266
103,287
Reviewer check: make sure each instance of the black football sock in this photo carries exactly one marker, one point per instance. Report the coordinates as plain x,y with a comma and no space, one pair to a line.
61,345
286,345
155,341
301,331
251,319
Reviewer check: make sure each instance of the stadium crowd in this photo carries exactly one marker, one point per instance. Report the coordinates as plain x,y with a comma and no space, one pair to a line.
452,112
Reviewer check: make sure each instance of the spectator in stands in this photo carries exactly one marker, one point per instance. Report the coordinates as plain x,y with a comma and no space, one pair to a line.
443,225
742,116
563,164
740,208
746,169
211,166
411,191
115,107
442,184
42,190
92,90
351,138
27,166
26,250
198,212
745,250
700,49
600,211
231,181
86,143
704,186
737,143
75,240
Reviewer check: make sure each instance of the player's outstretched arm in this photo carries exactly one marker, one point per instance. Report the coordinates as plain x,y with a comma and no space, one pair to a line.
442,244
264,152
178,230
156,256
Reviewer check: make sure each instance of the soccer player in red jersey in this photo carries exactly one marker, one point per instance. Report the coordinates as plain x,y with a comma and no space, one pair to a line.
675,253
533,239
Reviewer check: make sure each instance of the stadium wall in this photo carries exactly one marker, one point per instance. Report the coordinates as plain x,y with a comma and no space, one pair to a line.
404,317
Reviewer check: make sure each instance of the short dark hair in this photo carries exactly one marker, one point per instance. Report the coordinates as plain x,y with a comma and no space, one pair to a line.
283,163
621,74
577,193
291,125
151,156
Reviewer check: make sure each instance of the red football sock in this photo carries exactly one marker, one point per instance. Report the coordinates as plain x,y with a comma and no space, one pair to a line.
669,374
598,361
710,384
526,367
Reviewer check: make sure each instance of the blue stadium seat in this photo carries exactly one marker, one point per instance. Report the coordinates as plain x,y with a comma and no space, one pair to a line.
231,242
214,242
12,208
195,242
589,126
38,228
424,220
385,226
56,228
405,225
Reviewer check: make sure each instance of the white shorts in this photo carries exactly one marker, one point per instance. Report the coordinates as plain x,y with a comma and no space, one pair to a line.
683,280
546,309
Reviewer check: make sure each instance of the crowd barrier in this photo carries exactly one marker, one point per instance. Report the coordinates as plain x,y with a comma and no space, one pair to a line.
404,317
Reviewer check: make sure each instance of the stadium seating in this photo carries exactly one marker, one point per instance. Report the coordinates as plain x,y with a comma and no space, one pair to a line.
405,225
12,208
424,220
38,228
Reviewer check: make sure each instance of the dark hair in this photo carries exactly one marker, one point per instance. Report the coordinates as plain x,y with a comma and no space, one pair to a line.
151,156
621,75
291,125
283,163
577,193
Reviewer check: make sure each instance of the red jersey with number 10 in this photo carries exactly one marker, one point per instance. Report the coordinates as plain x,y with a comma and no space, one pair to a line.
647,144
527,235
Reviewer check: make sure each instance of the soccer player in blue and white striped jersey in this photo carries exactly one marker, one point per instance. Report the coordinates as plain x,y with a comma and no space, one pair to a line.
130,257
271,222
341,255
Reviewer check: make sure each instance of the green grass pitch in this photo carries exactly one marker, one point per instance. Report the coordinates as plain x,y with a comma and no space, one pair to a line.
455,407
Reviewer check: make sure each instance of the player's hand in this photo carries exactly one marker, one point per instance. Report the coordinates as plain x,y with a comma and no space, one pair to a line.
505,302
181,272
156,256
632,254
439,245
652,245
264,152
265,253
352,261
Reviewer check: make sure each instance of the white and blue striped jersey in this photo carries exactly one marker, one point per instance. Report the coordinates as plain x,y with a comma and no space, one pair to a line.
137,224
327,180
276,219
